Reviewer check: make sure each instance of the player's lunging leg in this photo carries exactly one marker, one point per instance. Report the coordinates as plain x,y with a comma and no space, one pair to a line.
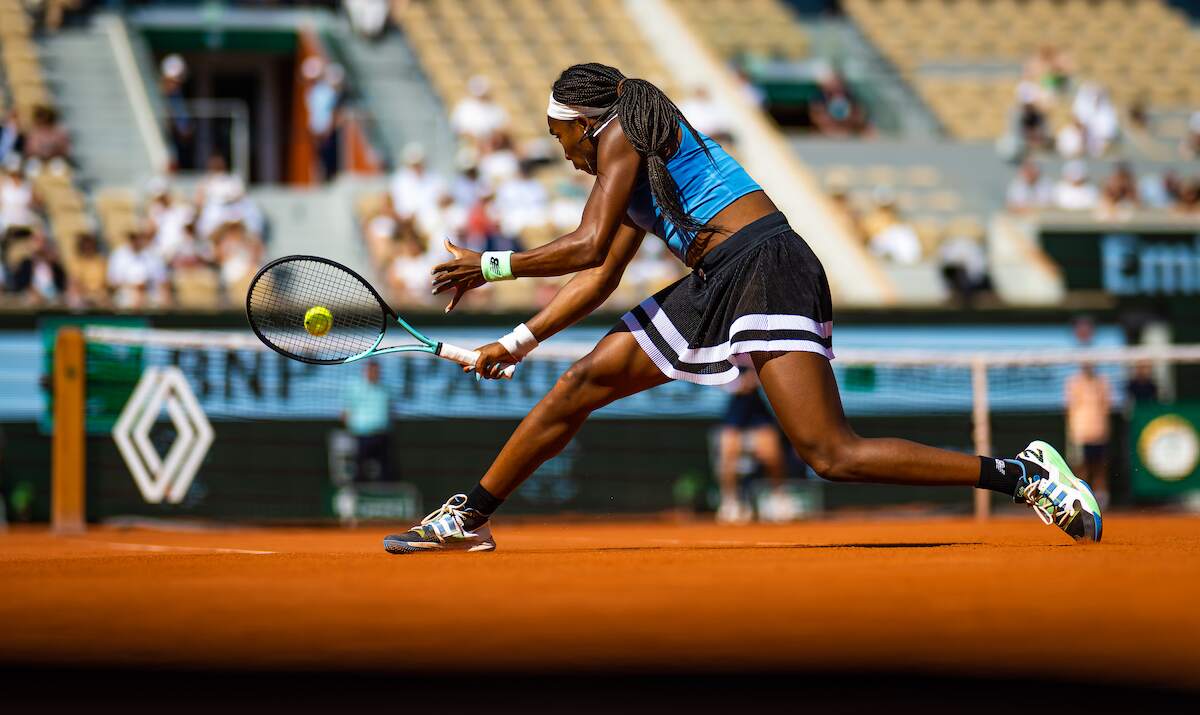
804,394
615,368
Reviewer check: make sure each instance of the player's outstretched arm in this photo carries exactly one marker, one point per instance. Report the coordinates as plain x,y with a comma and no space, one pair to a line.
585,292
584,248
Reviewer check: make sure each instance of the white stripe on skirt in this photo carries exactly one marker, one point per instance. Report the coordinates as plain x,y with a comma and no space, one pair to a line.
722,352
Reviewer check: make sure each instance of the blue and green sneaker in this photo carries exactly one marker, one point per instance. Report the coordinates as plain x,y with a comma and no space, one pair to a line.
1057,496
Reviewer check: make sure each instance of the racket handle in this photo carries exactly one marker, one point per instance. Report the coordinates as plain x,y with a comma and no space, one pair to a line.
462,356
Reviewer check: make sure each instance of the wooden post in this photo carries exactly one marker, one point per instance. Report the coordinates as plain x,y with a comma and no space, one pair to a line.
982,430
67,452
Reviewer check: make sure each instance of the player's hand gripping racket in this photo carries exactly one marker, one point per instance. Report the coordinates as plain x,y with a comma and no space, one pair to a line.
318,311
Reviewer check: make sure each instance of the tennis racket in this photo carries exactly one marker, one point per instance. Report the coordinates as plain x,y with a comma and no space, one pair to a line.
318,311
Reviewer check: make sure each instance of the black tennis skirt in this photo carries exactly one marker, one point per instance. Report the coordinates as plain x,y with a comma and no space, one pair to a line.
762,289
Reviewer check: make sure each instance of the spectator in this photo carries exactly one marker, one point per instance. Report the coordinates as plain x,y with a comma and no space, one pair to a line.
238,254
1083,329
466,186
137,273
408,273
964,262
17,197
368,17
445,218
1094,110
888,236
1032,127
40,278
216,173
414,186
1071,140
11,140
476,117
835,112
1088,408
1142,387
847,213
47,139
482,231
1187,200
172,221
322,99
1029,190
1189,148
523,203
227,203
498,162
1158,191
367,415
747,417
1050,68
1073,192
181,126
707,116
381,230
87,286
1119,196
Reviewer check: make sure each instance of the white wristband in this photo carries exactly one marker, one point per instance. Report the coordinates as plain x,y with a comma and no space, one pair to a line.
520,342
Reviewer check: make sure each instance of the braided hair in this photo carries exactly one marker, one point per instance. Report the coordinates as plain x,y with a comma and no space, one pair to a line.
649,119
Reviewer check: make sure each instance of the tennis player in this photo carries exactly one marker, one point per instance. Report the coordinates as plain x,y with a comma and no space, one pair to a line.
755,287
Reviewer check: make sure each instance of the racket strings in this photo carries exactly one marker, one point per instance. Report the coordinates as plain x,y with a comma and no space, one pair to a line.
285,292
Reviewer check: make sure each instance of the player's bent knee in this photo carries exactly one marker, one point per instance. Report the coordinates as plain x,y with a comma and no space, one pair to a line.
575,389
834,461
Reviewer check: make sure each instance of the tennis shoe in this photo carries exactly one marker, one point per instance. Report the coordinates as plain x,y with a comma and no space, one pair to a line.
1057,496
444,530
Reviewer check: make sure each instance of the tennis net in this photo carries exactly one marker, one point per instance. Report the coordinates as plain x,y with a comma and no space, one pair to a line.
213,425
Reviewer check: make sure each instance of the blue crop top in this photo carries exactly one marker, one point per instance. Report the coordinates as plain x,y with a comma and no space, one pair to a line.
705,187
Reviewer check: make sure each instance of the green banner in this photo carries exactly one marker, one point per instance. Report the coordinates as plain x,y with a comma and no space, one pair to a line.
108,390
1165,441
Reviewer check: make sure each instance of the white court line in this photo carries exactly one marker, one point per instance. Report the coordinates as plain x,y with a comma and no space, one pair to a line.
161,548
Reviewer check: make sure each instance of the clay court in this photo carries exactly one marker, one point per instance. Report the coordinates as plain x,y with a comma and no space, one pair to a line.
903,597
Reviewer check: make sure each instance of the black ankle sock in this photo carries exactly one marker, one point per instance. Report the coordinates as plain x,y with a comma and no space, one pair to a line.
482,501
1000,475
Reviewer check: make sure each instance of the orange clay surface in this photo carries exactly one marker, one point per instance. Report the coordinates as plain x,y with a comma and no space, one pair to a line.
945,596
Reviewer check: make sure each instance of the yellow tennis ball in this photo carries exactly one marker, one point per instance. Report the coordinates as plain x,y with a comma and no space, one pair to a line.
318,320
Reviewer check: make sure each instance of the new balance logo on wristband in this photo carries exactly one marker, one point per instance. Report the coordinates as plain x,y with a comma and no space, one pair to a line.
494,263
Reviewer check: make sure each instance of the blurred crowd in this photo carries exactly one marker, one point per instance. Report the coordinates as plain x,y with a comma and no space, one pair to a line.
1112,197
198,253
500,196
1058,115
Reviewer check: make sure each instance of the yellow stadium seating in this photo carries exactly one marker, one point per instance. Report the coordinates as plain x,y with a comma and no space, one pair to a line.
1134,47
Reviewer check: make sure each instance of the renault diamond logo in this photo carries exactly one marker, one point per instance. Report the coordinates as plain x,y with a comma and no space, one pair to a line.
158,478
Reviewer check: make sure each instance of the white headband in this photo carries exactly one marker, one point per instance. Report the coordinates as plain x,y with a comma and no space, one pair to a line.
557,110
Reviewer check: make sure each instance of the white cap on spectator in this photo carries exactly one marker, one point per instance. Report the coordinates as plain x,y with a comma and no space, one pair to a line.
158,186
1075,170
173,67
312,68
414,153
466,158
1194,123
12,163
226,190
478,85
